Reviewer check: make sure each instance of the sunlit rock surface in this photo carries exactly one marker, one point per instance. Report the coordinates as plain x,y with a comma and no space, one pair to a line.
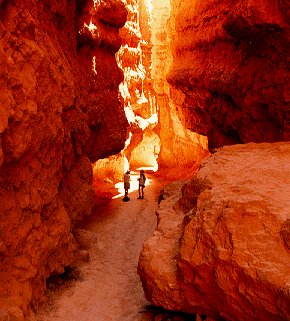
134,58
145,57
221,247
230,61
59,111
179,146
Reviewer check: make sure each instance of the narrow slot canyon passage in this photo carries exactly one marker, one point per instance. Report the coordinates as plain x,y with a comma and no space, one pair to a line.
194,92
108,288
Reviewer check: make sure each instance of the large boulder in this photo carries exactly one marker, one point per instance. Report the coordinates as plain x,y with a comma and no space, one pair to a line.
222,248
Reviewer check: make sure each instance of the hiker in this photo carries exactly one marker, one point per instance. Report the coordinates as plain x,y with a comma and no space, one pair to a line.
141,180
127,183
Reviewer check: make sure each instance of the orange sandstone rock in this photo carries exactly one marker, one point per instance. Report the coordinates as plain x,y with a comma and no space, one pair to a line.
230,62
222,248
59,112
179,146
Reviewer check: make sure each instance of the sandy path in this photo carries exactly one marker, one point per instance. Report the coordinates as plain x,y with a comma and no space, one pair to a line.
110,289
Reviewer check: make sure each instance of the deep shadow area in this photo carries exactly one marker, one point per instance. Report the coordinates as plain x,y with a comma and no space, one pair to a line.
166,315
64,280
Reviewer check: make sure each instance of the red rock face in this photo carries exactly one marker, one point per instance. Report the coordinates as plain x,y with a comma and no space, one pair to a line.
221,247
135,58
179,147
145,58
58,114
231,62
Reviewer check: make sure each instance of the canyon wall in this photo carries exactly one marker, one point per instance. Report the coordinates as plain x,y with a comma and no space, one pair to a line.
157,133
231,64
135,59
179,146
222,244
221,247
59,111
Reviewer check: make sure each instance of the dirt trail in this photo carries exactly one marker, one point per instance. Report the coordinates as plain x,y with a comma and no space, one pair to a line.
110,289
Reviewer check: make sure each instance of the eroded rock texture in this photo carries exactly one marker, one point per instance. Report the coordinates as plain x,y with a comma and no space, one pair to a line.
134,58
58,113
179,146
221,247
231,61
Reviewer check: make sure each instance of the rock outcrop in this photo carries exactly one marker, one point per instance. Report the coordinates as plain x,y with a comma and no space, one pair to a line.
221,247
231,62
59,112
179,146
156,130
135,59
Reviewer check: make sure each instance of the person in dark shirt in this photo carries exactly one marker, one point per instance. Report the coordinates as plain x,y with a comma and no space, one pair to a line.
141,180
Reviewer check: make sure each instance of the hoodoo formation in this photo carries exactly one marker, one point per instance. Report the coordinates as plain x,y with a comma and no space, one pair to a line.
108,84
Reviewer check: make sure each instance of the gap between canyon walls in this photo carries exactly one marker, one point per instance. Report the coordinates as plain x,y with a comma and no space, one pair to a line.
59,88
157,135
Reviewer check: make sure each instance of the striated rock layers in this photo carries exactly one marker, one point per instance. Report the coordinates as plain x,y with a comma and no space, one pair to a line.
222,248
231,61
59,111
135,58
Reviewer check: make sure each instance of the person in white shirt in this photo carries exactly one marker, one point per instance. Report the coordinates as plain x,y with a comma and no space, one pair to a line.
127,183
